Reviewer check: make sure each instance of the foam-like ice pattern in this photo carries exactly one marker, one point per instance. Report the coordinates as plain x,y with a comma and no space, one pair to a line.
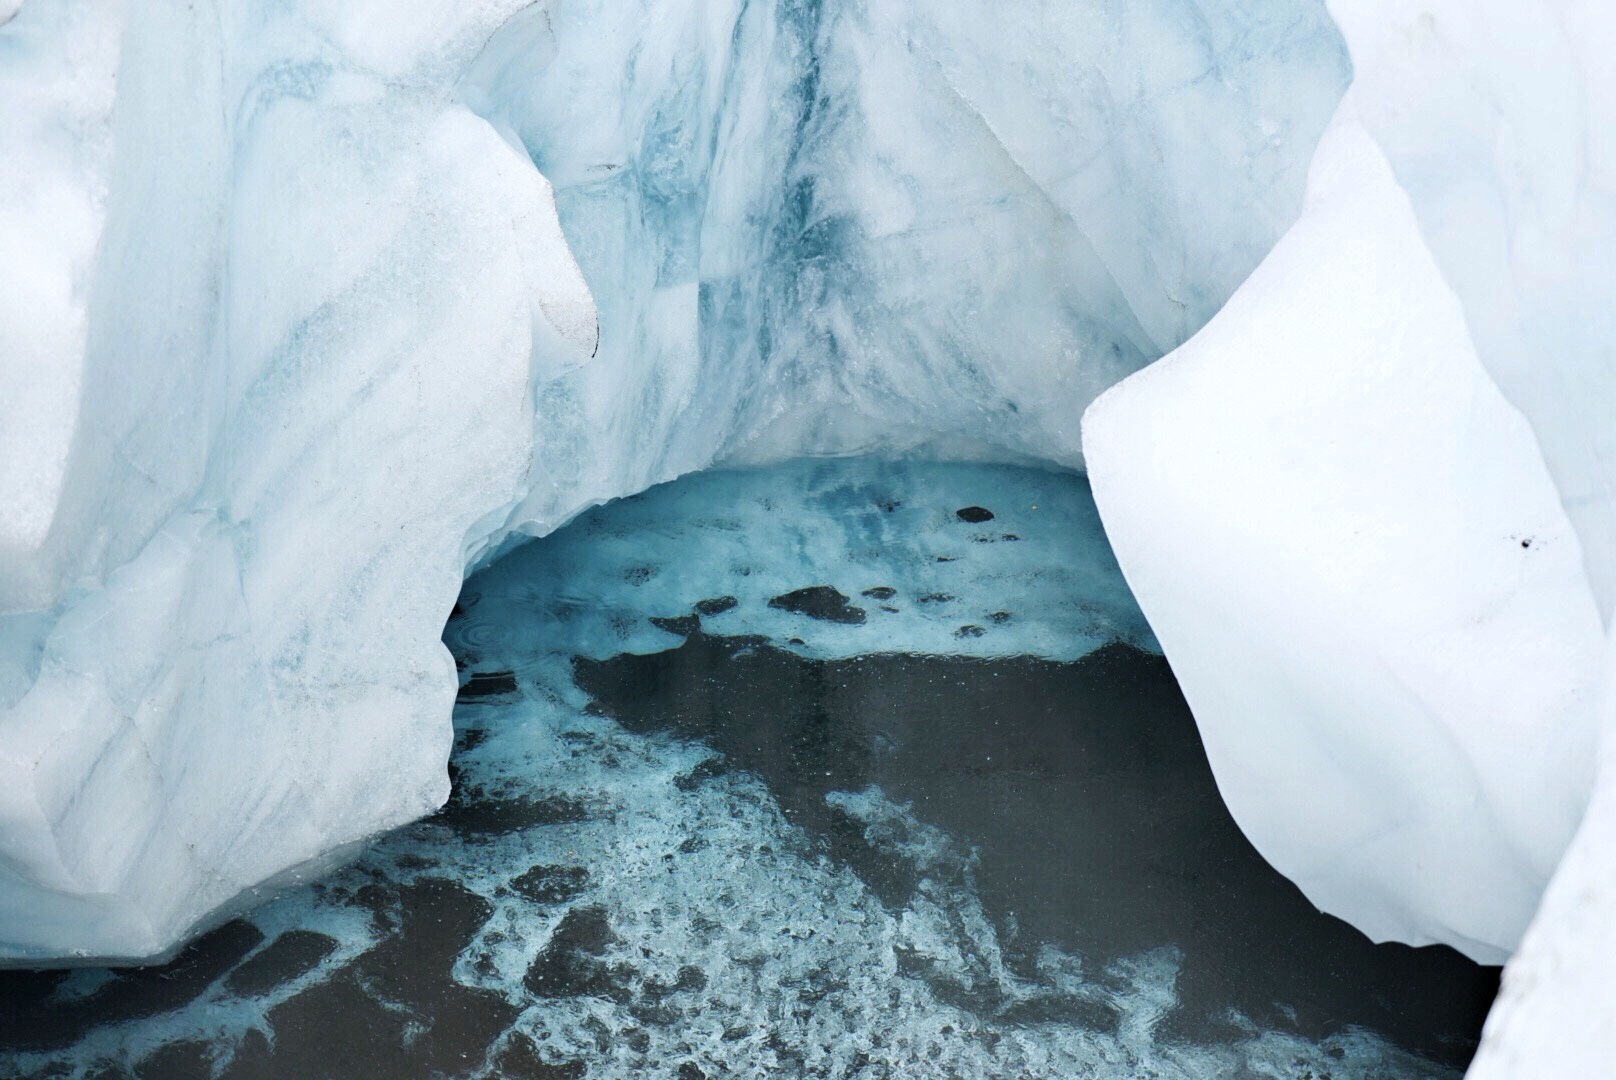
289,335
1037,579
734,947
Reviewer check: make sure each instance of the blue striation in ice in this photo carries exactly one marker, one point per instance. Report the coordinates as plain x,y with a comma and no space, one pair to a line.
815,226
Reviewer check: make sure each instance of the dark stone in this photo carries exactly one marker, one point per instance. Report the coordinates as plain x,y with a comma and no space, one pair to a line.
681,625
689,1070
716,605
639,575
551,884
936,598
819,602
974,514
487,684
1000,616
881,592
573,960
969,630
295,953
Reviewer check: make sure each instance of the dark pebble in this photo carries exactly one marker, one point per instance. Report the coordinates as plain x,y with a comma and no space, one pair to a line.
819,602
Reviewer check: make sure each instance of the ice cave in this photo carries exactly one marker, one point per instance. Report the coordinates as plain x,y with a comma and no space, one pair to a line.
803,538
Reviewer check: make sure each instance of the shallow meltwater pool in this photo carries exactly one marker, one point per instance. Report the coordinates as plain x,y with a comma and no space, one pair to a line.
840,768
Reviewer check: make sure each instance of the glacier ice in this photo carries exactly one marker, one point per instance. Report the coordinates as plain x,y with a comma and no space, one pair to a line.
300,339
294,317
1500,122
1496,121
823,227
1352,552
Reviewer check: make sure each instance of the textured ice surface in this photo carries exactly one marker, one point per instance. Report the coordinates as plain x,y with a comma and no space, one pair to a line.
288,336
825,226
292,302
616,902
1350,548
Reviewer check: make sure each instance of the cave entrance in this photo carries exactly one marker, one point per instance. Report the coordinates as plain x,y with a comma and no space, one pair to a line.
876,764
836,768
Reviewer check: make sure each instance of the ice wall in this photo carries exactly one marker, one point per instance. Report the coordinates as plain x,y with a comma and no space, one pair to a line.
829,226
289,335
1347,543
288,340
1500,122
1496,121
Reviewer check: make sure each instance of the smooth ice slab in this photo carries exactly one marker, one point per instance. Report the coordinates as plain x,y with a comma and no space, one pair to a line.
1499,120
1349,547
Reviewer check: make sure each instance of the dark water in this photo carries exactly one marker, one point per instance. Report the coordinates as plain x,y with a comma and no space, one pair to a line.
710,818
1084,792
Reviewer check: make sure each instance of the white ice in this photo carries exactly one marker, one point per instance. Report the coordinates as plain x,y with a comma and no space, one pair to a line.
1497,122
1347,543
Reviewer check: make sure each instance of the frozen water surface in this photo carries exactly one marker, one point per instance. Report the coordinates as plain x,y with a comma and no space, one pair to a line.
839,768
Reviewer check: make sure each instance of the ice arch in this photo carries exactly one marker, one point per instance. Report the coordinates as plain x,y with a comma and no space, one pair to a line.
308,342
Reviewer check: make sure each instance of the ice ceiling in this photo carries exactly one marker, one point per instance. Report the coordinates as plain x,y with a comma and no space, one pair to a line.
307,307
